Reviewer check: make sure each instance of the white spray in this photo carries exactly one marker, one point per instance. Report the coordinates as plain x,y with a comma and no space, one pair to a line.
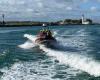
74,60
30,43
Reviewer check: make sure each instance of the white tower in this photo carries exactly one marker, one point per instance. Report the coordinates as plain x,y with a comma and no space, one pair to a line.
82,19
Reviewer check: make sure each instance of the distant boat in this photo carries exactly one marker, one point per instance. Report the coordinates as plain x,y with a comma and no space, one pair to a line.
44,25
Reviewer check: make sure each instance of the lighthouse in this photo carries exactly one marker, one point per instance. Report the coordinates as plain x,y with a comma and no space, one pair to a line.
3,21
84,21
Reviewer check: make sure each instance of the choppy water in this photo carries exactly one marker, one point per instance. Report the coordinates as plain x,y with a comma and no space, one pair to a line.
77,56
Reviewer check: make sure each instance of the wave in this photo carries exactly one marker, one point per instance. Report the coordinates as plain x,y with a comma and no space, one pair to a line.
36,71
27,45
75,60
8,31
30,43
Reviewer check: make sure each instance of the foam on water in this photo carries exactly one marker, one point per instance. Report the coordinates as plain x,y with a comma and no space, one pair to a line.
75,60
30,37
78,39
30,43
27,45
26,71
35,71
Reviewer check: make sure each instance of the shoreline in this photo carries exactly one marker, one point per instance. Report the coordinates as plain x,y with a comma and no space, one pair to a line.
1,26
32,23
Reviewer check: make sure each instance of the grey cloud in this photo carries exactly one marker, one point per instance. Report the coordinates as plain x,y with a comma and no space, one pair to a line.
38,8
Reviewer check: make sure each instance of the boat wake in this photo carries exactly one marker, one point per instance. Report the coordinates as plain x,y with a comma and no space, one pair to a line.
30,43
73,59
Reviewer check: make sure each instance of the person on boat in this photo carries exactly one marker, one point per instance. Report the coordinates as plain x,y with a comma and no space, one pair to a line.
45,32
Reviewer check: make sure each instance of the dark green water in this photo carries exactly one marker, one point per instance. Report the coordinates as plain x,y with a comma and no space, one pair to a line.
77,57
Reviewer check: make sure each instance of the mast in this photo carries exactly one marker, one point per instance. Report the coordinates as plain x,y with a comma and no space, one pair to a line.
3,17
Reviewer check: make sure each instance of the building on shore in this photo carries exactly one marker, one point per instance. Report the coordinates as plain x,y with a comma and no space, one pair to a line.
84,21
62,22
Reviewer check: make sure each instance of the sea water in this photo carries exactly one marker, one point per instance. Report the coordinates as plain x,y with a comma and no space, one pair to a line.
77,56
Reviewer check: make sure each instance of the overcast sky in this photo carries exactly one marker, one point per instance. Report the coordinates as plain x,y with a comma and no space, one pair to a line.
49,10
